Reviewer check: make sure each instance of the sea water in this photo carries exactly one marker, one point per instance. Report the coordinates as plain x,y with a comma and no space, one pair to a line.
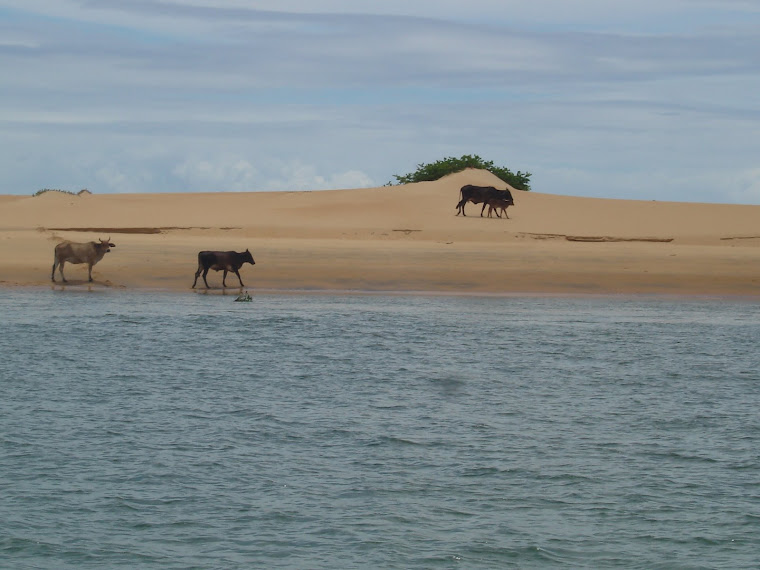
324,431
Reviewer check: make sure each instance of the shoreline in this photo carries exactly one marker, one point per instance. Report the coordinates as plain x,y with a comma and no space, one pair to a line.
512,267
232,292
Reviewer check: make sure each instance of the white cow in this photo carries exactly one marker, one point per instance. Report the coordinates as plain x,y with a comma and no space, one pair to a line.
89,253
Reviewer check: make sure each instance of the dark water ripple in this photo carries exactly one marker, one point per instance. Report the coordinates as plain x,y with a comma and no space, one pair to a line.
189,431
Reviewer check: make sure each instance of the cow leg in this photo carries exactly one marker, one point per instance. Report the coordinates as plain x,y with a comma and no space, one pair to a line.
197,273
460,207
60,270
89,272
205,272
239,279
483,208
224,278
52,275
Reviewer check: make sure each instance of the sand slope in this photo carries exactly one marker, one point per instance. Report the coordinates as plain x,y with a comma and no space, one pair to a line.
392,238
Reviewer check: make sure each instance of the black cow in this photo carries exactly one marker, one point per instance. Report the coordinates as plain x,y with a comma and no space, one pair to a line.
481,194
222,261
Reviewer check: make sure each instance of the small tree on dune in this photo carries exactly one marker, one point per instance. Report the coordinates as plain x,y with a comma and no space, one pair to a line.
451,165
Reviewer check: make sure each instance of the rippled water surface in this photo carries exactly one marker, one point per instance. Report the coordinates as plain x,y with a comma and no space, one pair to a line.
188,430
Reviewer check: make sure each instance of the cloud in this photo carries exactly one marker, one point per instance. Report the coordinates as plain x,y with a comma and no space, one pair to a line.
113,178
226,46
225,173
297,175
234,173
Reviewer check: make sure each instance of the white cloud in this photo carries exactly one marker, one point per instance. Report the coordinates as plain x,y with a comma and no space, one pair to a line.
114,177
297,175
224,173
233,173
351,179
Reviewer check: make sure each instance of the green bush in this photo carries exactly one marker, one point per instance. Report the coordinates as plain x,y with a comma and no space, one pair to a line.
82,191
40,192
450,165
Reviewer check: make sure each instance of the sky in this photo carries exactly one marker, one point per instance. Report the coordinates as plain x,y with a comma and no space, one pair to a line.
639,99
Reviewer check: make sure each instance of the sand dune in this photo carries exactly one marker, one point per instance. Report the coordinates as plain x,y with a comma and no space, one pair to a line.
403,238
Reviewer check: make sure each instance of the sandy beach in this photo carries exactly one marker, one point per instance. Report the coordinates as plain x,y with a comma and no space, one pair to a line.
400,238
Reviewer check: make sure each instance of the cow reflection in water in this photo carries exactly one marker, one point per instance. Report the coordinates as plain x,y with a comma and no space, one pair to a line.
227,261
89,253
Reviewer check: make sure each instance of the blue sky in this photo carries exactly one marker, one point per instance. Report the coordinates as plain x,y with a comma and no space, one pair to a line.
625,99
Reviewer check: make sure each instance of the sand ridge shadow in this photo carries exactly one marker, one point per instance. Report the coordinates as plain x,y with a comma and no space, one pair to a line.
596,239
